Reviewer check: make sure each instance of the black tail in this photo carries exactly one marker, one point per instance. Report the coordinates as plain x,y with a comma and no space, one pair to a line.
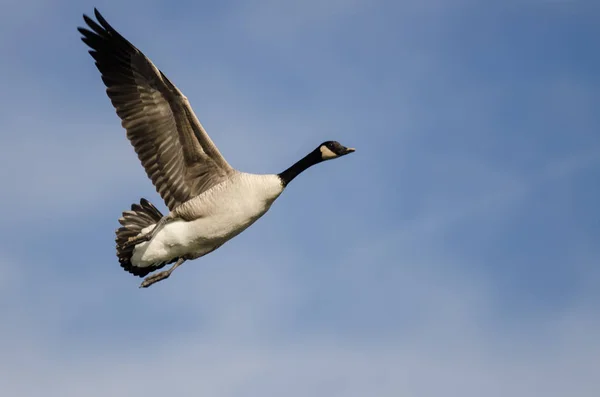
141,216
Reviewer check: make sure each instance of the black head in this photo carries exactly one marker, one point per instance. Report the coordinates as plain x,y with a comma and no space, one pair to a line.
332,149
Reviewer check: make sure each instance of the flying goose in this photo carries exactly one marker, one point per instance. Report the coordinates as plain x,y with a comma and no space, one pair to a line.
209,202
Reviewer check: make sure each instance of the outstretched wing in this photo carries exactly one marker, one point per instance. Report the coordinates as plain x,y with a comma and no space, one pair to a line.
175,150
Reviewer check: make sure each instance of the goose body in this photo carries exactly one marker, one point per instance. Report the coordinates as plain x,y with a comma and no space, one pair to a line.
214,217
209,202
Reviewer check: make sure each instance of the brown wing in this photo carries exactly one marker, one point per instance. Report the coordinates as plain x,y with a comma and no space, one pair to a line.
175,150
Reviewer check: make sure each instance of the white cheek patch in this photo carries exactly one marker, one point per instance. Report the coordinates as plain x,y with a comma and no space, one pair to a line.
327,154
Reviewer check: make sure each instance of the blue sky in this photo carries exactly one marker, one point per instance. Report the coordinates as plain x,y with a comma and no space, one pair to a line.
455,253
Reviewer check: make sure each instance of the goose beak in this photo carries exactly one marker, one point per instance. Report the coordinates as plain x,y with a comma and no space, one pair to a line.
349,150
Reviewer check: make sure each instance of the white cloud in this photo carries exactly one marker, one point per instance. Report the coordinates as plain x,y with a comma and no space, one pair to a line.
451,346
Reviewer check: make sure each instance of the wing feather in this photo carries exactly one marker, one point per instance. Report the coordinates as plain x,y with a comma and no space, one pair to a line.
176,152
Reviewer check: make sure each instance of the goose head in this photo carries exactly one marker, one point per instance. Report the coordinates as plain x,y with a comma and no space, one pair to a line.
328,150
332,149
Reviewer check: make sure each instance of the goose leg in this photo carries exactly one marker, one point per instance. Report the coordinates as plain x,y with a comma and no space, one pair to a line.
148,236
155,278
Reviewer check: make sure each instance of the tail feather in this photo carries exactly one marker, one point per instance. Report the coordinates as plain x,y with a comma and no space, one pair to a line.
141,216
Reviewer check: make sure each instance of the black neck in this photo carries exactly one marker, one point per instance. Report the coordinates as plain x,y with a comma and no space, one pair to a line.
309,160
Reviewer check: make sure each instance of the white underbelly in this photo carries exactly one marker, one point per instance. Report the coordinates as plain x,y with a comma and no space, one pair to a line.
182,238
224,212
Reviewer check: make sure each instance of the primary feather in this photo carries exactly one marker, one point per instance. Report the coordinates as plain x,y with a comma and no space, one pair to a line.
175,150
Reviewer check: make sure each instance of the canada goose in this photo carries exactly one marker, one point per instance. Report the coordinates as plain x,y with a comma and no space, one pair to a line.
209,201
